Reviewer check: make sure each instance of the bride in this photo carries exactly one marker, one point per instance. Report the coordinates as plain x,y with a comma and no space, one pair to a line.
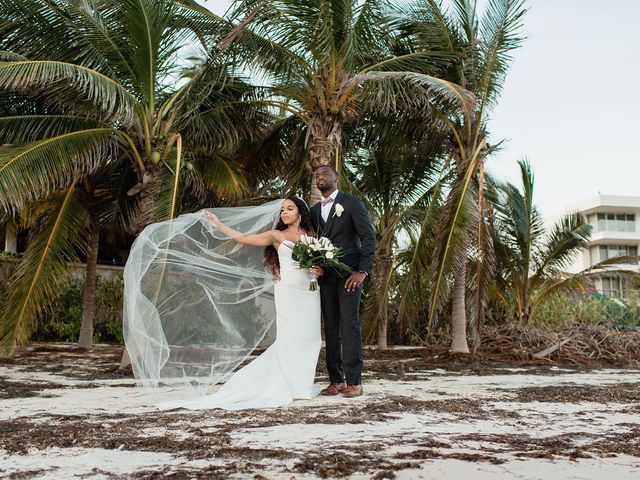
286,370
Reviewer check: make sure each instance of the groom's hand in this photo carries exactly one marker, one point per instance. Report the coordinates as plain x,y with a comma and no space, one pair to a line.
317,271
354,281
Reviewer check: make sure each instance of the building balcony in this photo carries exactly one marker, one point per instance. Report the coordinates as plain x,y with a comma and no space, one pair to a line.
601,237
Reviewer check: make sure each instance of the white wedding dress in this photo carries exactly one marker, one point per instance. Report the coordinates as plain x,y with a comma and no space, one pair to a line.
286,370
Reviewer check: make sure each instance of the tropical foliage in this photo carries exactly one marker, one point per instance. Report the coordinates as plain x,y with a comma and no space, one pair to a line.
95,90
480,46
117,114
332,64
532,261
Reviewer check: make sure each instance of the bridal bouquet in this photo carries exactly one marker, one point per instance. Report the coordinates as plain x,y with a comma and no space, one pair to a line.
317,252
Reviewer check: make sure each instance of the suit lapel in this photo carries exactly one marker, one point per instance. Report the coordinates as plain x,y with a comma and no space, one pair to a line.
316,211
332,214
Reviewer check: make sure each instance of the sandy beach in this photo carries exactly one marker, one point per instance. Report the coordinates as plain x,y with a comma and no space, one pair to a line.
65,413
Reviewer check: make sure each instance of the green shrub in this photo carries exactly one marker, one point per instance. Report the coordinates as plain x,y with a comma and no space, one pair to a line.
108,322
561,309
61,321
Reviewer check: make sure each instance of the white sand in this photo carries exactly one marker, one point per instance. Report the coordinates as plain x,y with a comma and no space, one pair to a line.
401,432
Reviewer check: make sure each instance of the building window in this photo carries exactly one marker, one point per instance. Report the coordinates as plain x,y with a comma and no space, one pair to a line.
613,251
616,222
612,286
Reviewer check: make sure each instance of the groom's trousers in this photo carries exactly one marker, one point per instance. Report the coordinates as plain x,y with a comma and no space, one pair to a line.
342,330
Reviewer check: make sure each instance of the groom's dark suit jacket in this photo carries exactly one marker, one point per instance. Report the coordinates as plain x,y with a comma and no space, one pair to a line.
351,231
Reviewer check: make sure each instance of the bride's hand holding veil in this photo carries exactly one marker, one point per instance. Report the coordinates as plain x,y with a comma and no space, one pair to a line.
258,239
213,219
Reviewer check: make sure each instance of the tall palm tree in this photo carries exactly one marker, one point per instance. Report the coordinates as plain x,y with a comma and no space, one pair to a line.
329,64
109,77
482,47
394,166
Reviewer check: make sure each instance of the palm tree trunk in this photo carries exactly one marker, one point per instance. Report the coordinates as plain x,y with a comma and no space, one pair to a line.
458,313
325,140
11,237
382,334
526,308
146,189
384,261
89,296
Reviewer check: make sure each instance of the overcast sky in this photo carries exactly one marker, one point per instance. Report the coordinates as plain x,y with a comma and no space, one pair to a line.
570,102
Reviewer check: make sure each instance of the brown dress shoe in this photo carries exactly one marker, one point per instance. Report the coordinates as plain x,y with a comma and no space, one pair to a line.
352,391
333,389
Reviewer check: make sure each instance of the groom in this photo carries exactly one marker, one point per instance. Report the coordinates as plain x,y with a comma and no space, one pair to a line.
343,219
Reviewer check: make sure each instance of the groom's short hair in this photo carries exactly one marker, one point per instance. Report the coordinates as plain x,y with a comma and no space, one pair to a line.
335,172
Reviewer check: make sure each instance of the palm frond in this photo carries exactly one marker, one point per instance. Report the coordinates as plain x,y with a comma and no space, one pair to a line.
433,27
43,269
218,112
253,45
99,38
35,170
567,237
222,175
467,18
386,92
29,128
500,30
364,41
452,236
62,81
22,25
6,56
152,43
117,210
519,221
419,265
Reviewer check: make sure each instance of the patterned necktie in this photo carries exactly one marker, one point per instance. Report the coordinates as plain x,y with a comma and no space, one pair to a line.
326,201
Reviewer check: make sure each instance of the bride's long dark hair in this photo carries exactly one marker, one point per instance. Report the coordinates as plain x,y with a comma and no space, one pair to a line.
271,260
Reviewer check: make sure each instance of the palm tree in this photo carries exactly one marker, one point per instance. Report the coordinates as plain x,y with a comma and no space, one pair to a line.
532,261
394,166
328,64
108,77
107,208
482,47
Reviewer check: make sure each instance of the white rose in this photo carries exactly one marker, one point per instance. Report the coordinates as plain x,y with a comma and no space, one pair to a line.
329,255
339,209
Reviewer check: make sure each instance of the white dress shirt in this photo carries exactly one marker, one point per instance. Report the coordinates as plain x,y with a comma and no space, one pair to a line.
325,209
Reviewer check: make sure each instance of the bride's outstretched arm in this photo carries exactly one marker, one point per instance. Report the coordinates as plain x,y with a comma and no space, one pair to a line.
257,239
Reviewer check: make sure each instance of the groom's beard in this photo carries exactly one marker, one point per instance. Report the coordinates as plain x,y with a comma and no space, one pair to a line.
326,189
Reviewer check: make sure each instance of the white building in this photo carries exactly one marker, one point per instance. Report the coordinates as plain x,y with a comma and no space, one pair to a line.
616,232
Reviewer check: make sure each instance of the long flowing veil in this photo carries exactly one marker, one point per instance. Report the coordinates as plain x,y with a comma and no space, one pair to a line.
196,302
